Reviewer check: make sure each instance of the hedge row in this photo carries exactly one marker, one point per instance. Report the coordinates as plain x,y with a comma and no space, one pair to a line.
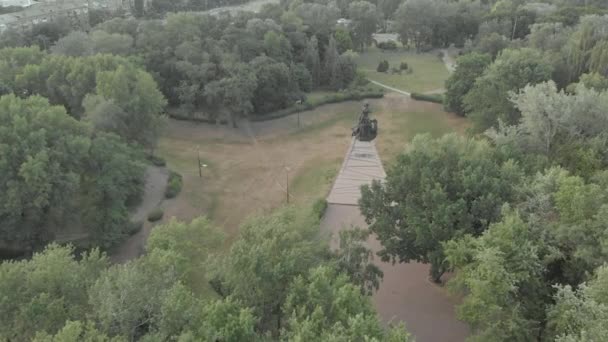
307,105
435,98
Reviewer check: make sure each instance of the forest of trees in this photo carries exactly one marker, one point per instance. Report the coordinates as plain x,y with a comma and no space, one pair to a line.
278,281
516,209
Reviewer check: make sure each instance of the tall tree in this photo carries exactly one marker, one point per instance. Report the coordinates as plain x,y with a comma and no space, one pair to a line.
364,18
437,190
468,68
488,101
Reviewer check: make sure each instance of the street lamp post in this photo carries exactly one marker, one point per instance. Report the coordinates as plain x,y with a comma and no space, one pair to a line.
287,183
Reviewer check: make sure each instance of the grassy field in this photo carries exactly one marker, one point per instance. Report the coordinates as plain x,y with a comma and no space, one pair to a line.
247,169
247,175
429,72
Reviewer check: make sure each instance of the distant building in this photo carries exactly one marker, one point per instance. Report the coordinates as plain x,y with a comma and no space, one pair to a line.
76,11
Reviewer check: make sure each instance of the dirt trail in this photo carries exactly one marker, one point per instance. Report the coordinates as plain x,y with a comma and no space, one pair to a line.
405,294
156,182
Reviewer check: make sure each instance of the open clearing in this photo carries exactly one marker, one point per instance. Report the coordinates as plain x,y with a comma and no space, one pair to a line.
429,71
246,171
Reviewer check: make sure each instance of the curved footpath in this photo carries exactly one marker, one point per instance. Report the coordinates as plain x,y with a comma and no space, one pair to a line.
405,294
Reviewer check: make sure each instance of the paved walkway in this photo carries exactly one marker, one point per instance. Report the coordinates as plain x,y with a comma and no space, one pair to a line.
361,166
391,88
405,294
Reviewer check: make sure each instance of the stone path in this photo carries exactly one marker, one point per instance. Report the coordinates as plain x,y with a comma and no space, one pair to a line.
361,166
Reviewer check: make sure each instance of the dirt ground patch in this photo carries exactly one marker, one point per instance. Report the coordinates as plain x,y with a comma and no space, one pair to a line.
405,294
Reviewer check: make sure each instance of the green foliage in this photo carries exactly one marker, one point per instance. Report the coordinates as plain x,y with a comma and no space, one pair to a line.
355,260
343,40
500,271
155,215
364,17
187,241
269,253
55,174
403,66
487,102
383,66
319,207
436,98
174,185
49,289
437,190
468,68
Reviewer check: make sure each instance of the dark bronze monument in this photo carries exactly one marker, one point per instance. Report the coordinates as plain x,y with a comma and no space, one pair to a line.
366,129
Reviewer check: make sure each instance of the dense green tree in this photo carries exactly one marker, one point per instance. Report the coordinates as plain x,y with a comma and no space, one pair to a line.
355,260
364,18
415,20
488,101
437,190
580,47
111,43
501,273
268,255
75,44
40,294
343,40
272,91
492,44
313,62
136,93
42,155
580,314
189,241
468,68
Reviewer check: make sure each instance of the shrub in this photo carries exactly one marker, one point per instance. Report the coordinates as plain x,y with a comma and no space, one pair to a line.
174,185
440,55
156,160
383,66
134,227
360,79
388,45
155,215
319,207
435,98
403,66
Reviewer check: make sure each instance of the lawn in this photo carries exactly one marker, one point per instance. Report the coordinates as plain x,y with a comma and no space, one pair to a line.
245,177
429,72
247,169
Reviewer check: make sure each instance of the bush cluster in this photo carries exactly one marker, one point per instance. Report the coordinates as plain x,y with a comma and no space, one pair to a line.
155,215
319,207
383,66
174,185
435,98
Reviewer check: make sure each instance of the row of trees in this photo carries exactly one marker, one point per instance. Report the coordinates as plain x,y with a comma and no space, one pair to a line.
278,281
220,66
